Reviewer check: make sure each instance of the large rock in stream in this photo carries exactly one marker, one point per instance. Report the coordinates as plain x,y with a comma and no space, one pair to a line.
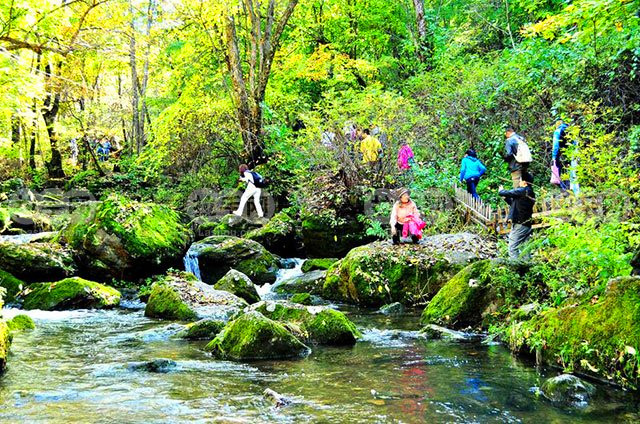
216,255
180,296
380,273
598,336
11,285
279,235
121,238
252,337
239,284
70,293
36,262
567,390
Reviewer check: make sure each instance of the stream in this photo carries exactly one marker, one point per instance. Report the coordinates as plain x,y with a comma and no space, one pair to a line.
75,368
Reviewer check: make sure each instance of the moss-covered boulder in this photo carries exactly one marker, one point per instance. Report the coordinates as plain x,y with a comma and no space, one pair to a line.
180,296
475,294
5,220
395,308
21,322
252,337
302,299
11,284
216,255
30,221
323,237
36,262
567,390
205,329
314,324
279,235
311,282
596,336
5,342
380,273
228,225
239,284
320,264
122,238
70,293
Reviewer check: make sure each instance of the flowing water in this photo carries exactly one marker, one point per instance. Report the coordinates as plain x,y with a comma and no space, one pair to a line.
74,368
27,238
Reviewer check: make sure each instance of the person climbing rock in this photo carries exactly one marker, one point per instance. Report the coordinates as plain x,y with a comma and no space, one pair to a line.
405,218
521,200
471,169
517,155
255,183
370,148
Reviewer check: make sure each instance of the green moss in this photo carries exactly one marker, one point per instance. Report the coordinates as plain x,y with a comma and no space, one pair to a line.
318,264
36,261
165,302
284,313
239,284
601,337
279,235
21,322
5,220
302,298
70,293
333,328
11,284
253,336
377,274
205,329
5,342
323,237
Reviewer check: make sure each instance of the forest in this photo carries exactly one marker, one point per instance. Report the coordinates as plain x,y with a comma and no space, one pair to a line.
123,124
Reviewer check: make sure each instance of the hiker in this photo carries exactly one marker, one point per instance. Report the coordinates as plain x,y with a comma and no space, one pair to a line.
370,148
521,200
405,219
405,157
517,155
559,149
255,183
73,147
103,150
471,169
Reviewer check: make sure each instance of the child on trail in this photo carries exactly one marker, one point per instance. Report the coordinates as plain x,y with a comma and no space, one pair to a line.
255,183
405,219
471,169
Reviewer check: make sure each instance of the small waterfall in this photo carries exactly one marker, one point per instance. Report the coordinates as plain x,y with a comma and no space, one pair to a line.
191,262
283,274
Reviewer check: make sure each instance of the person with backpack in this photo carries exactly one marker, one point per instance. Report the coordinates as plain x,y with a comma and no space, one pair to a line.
471,169
559,148
517,155
255,184
521,200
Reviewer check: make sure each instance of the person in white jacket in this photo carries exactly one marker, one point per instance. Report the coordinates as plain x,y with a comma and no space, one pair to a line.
251,191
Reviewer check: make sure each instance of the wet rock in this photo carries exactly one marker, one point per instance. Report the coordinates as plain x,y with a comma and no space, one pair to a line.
286,263
437,332
205,329
279,235
254,336
70,293
395,308
609,326
568,390
380,273
239,284
36,262
311,282
121,238
5,342
315,324
219,254
302,298
318,264
30,221
11,284
278,399
155,366
229,225
180,296
21,322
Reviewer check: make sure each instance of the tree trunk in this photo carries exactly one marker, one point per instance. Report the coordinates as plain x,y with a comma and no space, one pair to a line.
49,114
424,41
135,96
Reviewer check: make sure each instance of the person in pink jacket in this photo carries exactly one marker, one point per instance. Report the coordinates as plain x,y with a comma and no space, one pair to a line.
404,212
405,157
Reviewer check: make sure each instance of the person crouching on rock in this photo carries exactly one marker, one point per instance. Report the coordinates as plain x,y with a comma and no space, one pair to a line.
405,219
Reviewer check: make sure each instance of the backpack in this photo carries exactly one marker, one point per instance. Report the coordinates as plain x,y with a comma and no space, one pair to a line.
523,154
258,180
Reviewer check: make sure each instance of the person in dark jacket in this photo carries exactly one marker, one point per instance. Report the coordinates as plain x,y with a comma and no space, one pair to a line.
521,201
471,169
511,148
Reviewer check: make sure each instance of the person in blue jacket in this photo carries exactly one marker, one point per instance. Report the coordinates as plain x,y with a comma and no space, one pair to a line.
559,148
471,169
